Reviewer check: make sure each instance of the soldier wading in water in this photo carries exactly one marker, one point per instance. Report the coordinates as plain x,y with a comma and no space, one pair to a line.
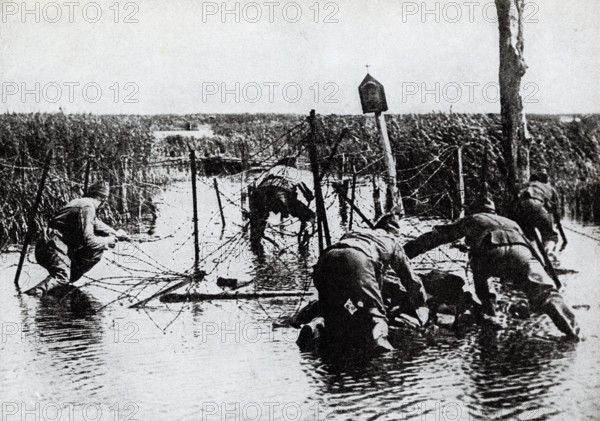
277,191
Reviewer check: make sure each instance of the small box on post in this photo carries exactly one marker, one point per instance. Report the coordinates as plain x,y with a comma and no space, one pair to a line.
372,100
372,95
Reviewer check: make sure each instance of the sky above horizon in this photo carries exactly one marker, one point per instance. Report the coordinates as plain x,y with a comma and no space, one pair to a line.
182,56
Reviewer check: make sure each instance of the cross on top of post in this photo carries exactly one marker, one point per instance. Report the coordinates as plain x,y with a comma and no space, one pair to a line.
367,66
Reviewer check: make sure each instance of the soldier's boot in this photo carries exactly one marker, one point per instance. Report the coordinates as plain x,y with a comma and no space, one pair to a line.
311,334
562,316
47,287
380,336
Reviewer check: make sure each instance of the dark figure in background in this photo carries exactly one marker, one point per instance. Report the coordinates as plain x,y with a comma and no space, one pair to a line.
538,207
499,248
74,242
349,278
277,191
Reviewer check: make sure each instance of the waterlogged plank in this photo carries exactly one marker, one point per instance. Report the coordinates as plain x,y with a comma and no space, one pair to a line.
194,297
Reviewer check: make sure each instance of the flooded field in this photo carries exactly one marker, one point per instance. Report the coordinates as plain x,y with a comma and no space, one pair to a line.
93,358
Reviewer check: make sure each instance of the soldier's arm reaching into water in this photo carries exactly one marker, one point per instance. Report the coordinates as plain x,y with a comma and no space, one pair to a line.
411,282
103,228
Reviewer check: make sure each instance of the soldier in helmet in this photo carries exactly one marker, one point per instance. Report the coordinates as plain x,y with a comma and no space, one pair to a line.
74,242
538,207
498,247
277,191
349,277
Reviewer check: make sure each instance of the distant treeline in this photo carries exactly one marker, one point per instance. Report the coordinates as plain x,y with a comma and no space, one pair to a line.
122,150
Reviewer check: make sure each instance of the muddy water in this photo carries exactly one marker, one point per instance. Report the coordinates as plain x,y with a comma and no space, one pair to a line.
224,360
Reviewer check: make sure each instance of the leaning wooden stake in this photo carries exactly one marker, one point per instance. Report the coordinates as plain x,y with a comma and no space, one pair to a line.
31,219
358,211
219,202
195,210
314,161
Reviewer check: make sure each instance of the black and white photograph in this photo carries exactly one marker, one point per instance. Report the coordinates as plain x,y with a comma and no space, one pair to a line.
304,210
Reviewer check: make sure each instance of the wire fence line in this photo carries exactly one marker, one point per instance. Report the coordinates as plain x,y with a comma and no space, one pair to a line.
426,176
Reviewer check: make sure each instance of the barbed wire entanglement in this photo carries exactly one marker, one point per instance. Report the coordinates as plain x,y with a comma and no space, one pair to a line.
146,170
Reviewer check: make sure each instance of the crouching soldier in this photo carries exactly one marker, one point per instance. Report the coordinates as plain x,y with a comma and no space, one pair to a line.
499,248
277,191
349,277
74,242
538,207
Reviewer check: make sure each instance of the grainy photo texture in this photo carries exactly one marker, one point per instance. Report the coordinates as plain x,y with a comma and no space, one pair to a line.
299,210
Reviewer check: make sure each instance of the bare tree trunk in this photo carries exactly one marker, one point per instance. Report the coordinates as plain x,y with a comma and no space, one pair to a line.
515,141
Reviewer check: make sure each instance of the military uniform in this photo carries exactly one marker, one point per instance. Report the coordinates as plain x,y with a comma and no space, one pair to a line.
349,277
276,192
500,249
538,207
71,245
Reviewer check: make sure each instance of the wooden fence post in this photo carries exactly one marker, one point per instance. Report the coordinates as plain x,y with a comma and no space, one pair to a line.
392,196
322,226
195,210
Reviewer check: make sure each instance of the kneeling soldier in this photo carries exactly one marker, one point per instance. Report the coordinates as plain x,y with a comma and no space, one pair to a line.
74,241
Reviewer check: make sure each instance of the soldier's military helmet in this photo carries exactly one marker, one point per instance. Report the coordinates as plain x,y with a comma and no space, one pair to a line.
389,222
99,190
